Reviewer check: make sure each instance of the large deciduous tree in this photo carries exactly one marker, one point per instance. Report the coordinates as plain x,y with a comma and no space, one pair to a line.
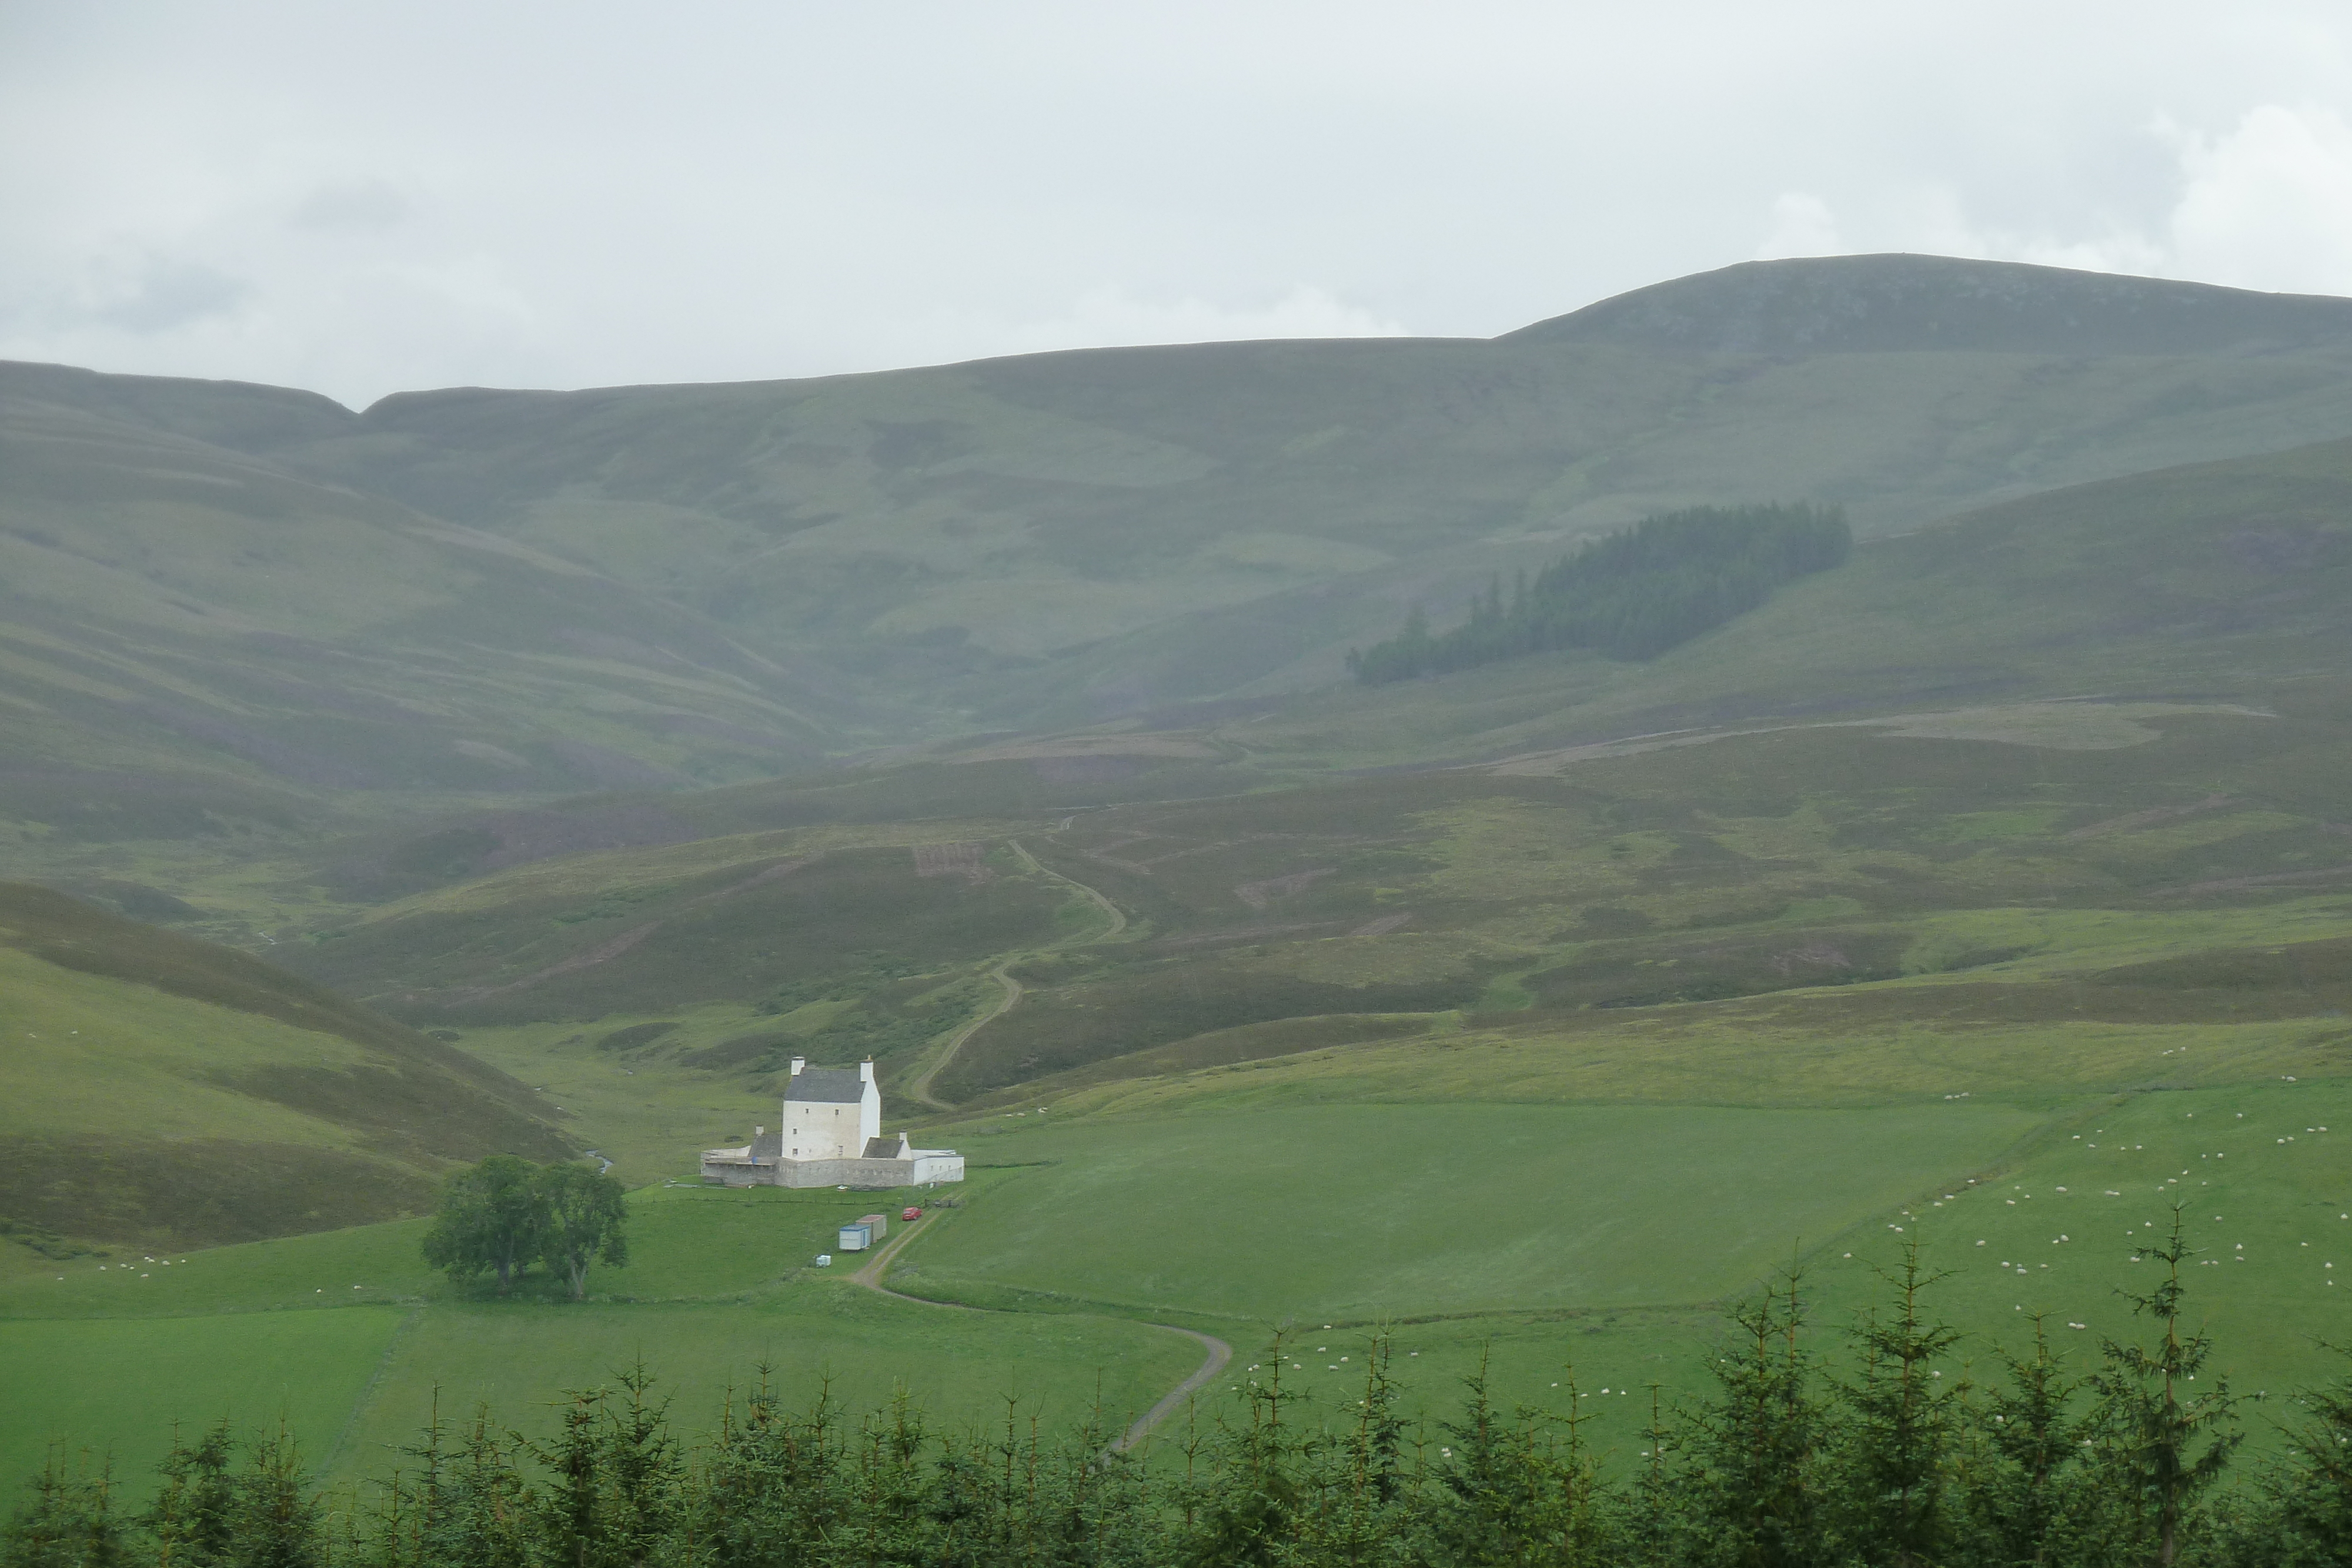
584,1215
492,1216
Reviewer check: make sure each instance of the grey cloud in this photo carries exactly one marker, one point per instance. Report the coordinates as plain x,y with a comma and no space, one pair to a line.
746,189
360,206
168,294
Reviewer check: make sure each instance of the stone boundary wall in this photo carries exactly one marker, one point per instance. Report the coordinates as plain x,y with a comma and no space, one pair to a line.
863,1174
844,1173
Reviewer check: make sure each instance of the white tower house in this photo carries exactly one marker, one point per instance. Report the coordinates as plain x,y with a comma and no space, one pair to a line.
829,1113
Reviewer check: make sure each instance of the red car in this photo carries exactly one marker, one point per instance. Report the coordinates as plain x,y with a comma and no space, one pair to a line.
910,1214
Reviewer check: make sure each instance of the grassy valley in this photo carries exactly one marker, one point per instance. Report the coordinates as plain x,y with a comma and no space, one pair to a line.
539,772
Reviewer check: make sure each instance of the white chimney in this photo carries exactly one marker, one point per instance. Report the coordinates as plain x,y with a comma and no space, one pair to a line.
866,1070
799,1063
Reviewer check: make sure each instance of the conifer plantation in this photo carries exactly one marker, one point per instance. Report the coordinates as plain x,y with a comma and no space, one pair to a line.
1813,1449
1630,596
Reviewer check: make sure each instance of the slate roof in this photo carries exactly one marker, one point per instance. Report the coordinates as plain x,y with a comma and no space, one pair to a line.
892,1147
767,1146
827,1085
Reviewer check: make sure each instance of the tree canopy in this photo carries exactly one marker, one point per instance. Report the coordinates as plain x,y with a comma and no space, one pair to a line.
584,1215
504,1214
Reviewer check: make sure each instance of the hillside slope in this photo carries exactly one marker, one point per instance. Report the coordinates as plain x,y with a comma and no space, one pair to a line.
162,1091
2123,700
1878,304
1081,535
174,609
695,583
2208,579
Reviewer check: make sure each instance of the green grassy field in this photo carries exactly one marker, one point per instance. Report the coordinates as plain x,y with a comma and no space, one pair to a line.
116,1386
1545,1237
1267,1215
349,1339
2267,1198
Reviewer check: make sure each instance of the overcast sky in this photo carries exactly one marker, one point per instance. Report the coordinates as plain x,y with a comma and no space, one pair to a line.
360,197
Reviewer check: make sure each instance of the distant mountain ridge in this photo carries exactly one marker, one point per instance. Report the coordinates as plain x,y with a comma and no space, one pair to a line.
256,595
1896,303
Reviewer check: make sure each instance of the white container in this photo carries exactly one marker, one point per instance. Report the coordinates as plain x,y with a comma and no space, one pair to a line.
824,1260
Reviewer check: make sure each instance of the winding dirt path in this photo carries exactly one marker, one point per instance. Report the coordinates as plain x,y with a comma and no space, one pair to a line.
1117,916
1009,990
871,1276
1218,1352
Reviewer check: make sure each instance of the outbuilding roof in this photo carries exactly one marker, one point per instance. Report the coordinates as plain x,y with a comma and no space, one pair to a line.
892,1146
826,1085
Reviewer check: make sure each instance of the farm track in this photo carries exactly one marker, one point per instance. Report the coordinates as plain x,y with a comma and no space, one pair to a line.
1219,1352
1010,990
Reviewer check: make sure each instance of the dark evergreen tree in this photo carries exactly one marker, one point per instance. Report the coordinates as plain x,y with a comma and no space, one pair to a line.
1781,1466
276,1519
2030,1498
770,1484
1365,1502
1895,1431
193,1521
615,1482
465,1505
1517,1491
1755,1451
2169,1444
1650,1513
69,1521
2311,1495
1245,1513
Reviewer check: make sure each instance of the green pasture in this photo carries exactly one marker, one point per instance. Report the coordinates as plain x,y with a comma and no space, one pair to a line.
363,1264
649,1116
1570,1245
2263,1192
116,1386
2260,1284
1363,1210
960,1367
108,1353
1609,1360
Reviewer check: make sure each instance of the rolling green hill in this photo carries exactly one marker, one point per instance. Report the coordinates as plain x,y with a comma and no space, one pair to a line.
231,603
161,1090
182,622
1068,537
2086,728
